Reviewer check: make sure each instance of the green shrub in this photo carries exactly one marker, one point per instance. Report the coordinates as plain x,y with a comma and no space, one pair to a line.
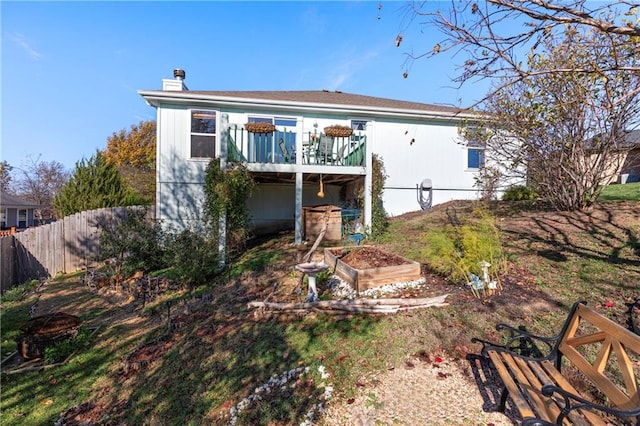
194,258
61,350
456,251
136,242
519,193
17,293
226,192
379,219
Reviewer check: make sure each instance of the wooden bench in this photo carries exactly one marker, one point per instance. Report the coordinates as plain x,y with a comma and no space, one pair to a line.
598,355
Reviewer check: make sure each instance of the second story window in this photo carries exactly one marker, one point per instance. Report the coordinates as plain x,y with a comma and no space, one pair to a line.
203,134
359,127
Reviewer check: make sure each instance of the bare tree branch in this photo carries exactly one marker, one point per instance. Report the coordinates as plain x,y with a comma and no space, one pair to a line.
487,34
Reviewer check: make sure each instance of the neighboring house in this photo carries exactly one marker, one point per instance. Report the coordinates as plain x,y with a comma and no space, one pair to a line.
15,212
424,159
630,167
623,162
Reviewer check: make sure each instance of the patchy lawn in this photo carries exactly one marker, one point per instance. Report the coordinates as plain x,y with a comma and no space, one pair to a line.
216,352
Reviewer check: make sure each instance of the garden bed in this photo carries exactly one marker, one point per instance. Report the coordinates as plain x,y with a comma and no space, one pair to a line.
367,267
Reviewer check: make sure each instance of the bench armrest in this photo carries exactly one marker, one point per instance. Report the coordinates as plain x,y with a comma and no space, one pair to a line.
574,402
522,342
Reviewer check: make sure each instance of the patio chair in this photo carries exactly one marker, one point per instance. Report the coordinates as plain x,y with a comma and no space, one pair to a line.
285,152
340,156
324,153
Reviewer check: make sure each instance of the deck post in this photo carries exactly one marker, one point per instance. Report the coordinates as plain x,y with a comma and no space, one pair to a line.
222,223
368,178
298,212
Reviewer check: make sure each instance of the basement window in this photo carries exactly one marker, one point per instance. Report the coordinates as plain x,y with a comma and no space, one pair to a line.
203,134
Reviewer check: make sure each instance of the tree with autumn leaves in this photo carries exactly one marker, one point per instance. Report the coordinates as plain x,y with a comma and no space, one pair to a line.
133,152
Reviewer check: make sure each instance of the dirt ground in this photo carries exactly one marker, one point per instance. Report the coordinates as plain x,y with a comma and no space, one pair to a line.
434,390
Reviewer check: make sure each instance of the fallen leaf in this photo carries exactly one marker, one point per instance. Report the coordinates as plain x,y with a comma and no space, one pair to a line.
351,400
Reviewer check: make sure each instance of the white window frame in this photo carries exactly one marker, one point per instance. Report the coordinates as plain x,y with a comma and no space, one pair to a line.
214,136
355,136
481,159
26,218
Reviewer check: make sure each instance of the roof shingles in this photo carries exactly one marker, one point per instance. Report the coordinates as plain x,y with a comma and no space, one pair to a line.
332,98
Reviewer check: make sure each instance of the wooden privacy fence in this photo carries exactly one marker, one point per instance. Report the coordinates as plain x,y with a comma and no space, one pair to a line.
65,246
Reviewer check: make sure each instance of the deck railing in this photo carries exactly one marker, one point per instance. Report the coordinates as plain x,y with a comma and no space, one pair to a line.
279,147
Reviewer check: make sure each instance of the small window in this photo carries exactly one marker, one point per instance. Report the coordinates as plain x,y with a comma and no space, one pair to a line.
203,134
286,122
22,218
475,157
359,125
3,219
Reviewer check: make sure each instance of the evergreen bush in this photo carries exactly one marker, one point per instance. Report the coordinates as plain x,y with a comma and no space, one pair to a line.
94,184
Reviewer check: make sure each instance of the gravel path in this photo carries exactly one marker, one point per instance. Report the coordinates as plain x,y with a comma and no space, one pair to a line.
419,393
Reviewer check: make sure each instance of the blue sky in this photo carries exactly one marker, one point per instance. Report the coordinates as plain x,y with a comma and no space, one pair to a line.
71,70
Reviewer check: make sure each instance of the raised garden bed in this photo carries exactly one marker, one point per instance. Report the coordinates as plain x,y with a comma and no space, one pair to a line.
367,267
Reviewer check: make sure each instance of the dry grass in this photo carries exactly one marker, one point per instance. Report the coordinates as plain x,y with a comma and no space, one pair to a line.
219,351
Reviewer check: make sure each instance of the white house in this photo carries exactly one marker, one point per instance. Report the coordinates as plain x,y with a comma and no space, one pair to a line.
418,144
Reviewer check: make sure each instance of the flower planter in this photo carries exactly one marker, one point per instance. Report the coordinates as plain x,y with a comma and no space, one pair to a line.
396,269
338,131
260,127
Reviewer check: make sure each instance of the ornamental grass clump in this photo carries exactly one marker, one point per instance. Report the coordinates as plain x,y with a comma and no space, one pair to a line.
458,252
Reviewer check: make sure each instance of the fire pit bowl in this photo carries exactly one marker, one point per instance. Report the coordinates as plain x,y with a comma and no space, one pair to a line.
46,330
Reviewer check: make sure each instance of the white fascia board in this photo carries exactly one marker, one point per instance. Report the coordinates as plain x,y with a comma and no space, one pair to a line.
155,98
